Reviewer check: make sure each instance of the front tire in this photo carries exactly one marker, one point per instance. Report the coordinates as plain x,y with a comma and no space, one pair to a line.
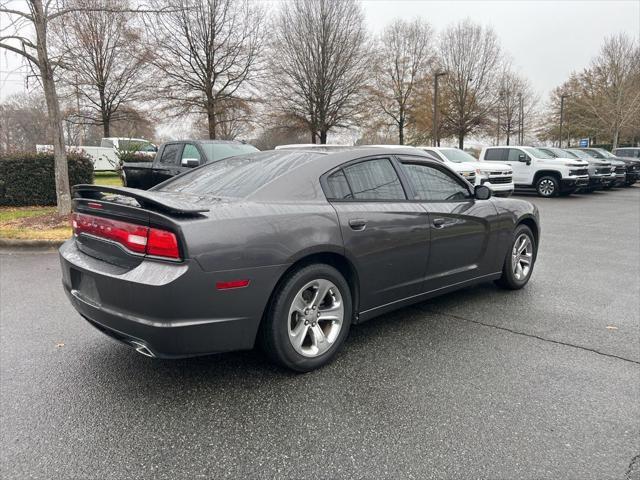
308,319
547,186
520,259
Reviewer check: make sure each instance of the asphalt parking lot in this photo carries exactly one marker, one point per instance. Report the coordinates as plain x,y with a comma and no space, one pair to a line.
482,383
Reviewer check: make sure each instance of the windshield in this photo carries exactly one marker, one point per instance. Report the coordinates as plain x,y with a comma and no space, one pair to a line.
218,151
558,152
457,155
604,153
580,154
238,176
536,153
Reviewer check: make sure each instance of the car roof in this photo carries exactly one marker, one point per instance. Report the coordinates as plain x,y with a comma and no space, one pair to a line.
295,183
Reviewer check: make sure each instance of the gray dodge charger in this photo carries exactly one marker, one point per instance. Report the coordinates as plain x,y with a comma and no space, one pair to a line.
286,249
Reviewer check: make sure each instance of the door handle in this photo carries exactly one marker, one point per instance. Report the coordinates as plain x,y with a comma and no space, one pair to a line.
357,224
439,222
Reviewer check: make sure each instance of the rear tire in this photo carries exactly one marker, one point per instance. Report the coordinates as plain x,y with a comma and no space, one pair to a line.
301,331
516,272
547,186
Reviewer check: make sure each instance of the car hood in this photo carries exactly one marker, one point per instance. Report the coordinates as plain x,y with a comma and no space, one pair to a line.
492,166
461,167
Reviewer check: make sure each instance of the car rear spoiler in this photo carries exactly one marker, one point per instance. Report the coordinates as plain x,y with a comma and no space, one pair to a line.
146,199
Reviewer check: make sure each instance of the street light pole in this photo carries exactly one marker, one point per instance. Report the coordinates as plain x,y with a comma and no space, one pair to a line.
436,140
562,97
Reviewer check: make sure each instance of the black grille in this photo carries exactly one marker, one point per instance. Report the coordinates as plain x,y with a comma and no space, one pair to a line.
620,170
603,171
500,180
580,171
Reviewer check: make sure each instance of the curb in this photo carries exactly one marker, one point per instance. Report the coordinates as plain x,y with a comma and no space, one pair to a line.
30,244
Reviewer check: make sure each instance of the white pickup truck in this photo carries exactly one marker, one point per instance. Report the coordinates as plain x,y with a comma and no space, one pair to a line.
538,170
496,176
105,157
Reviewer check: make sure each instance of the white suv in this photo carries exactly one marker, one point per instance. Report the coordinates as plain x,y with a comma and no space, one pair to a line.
497,176
535,169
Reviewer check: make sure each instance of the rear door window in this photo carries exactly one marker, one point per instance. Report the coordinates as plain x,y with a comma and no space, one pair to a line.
374,180
171,154
338,186
495,154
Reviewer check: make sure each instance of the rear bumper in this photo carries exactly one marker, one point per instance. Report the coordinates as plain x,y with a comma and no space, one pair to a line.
172,310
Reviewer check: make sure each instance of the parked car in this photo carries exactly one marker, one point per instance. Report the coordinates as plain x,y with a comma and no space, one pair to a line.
601,173
535,169
286,248
465,170
178,157
497,176
631,166
627,152
616,178
105,157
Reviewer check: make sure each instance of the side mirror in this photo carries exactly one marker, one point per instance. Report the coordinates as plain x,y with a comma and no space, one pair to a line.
190,162
482,192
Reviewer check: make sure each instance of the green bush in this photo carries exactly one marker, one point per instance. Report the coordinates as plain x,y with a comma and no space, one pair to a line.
28,178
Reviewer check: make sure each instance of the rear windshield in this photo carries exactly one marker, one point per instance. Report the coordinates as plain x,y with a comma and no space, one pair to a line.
218,151
238,176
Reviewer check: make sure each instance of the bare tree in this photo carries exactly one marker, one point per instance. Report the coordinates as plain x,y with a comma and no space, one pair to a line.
402,58
515,106
104,61
38,17
471,55
23,122
610,87
319,62
207,52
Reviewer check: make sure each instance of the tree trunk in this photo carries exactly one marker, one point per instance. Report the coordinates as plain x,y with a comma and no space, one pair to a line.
461,141
323,137
508,136
616,135
401,133
314,136
63,193
211,118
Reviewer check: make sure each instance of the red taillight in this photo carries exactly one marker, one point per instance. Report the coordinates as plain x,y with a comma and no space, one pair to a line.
136,238
161,243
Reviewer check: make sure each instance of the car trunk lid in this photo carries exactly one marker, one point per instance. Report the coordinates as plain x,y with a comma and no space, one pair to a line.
123,226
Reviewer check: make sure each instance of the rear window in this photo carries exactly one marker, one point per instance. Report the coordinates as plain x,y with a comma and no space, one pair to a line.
238,176
495,154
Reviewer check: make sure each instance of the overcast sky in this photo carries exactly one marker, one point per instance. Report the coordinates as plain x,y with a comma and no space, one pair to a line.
546,40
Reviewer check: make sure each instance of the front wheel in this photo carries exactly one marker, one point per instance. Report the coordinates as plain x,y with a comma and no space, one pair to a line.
519,261
308,319
547,186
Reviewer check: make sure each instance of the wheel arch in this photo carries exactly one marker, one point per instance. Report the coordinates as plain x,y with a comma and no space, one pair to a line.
532,223
328,257
543,173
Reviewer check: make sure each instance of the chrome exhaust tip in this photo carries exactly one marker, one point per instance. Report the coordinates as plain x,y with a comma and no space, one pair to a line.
142,349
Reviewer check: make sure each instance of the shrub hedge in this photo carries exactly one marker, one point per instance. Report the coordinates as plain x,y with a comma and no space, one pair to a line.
28,178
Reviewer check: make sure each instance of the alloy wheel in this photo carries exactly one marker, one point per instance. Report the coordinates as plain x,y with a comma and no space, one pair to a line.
546,187
522,257
315,318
